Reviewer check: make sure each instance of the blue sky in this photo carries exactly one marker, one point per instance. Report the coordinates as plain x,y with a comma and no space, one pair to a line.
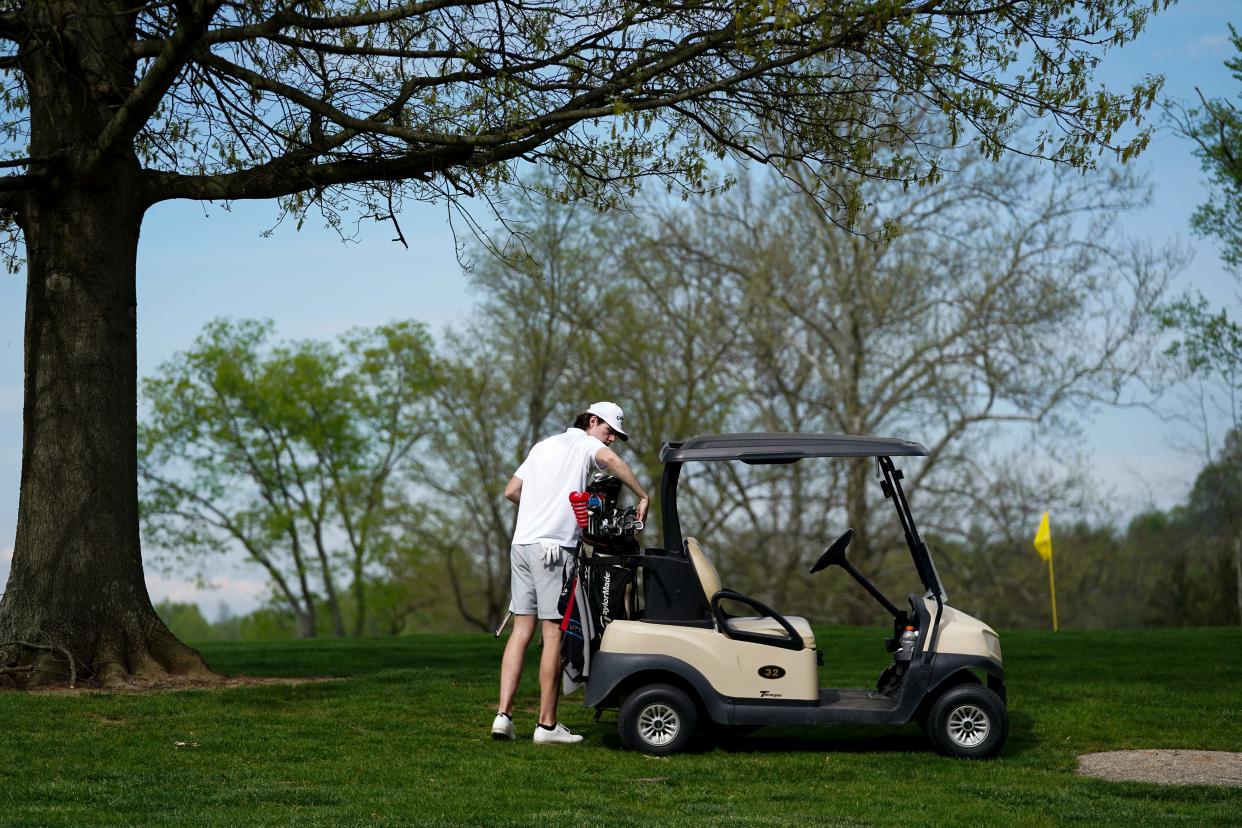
197,262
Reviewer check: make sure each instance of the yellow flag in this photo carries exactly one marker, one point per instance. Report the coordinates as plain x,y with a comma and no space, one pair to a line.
1043,539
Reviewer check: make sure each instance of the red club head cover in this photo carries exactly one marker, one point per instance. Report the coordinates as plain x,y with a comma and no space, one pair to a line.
578,500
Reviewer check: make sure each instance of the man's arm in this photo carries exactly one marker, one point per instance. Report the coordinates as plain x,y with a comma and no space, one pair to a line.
619,469
513,491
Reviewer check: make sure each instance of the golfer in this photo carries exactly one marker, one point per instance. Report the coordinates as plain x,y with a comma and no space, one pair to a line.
545,536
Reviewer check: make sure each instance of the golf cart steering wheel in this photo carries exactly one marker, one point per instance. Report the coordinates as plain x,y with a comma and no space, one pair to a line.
834,554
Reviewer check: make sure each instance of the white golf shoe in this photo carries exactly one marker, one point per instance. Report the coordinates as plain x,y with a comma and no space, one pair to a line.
558,735
502,728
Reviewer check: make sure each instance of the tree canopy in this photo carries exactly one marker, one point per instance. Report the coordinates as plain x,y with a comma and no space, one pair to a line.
322,102
1209,343
299,454
1216,128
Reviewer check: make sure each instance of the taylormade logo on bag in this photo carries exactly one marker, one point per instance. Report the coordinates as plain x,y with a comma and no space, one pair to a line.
606,610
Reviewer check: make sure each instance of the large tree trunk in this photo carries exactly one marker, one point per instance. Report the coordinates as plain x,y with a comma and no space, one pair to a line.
76,580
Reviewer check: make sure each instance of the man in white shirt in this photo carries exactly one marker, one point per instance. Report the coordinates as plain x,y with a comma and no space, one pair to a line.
545,536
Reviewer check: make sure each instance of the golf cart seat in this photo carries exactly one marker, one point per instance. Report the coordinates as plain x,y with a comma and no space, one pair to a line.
755,625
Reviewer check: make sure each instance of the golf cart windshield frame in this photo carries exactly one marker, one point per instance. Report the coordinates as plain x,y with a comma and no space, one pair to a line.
767,448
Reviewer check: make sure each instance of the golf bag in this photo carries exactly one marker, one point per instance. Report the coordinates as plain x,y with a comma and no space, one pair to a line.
608,587
577,629
593,595
595,587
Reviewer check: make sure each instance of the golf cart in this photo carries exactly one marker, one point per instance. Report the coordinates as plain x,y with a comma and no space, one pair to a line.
677,660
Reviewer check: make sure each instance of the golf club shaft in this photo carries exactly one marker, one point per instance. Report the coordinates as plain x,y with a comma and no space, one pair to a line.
501,626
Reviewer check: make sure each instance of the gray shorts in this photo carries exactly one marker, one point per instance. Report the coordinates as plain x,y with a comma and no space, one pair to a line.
536,586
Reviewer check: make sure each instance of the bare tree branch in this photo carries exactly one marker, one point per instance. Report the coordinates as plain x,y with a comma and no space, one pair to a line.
131,116
289,18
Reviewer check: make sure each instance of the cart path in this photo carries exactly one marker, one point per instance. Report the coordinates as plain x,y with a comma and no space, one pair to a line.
1165,767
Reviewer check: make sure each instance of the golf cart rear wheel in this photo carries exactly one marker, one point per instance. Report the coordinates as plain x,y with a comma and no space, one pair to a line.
659,720
969,721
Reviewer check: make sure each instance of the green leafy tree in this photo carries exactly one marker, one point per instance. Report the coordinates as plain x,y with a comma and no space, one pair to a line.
1205,549
1215,126
1214,509
298,455
1208,347
113,107
1209,342
186,621
267,624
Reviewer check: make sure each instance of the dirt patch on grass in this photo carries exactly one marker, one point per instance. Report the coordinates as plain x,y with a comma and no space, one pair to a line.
1165,767
174,683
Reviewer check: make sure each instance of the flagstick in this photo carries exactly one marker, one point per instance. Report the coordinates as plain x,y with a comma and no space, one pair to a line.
1052,588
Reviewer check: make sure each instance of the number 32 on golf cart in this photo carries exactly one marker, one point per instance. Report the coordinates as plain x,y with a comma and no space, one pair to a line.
771,671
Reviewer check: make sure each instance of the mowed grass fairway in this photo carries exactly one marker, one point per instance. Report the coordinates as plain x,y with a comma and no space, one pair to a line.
403,740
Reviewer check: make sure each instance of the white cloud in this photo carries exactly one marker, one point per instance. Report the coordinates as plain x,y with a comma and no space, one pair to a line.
1210,45
6,559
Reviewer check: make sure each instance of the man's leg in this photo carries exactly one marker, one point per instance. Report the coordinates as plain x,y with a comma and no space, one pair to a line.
511,661
549,672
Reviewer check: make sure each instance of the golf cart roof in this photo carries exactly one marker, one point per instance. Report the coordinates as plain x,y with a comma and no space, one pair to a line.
763,447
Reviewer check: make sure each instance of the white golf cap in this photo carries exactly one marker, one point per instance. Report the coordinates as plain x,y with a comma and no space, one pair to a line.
610,413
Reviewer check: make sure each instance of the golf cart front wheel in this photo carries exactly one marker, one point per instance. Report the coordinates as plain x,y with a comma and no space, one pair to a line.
969,721
658,720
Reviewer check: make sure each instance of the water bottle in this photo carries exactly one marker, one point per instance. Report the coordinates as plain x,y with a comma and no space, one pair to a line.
909,643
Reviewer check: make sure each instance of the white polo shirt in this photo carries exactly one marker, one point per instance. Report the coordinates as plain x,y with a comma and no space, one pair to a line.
554,468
